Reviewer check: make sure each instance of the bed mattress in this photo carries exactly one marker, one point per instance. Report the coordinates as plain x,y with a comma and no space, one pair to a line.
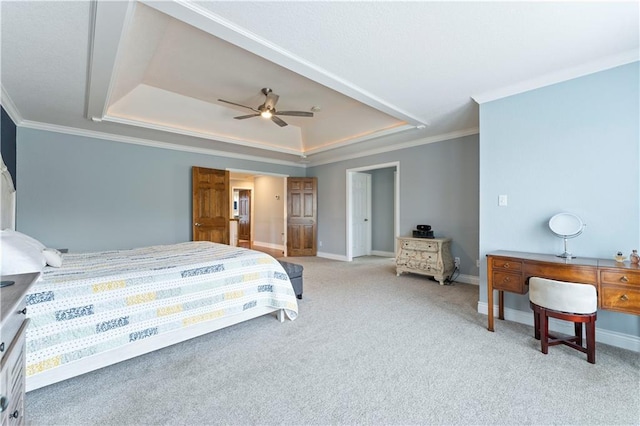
96,302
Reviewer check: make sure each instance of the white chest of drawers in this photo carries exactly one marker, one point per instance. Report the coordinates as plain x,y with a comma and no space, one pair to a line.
426,256
13,328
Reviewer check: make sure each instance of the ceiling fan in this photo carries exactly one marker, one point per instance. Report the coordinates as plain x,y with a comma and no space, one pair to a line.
268,109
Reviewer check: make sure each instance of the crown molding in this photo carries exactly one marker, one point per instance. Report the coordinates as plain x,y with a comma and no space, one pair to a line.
397,147
10,107
558,77
201,135
150,143
350,141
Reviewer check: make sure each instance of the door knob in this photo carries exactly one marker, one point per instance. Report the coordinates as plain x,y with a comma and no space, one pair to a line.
198,224
366,220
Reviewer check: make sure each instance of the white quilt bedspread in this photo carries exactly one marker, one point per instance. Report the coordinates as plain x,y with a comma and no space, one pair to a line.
99,301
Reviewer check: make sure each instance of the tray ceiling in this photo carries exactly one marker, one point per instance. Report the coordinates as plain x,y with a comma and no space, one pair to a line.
379,77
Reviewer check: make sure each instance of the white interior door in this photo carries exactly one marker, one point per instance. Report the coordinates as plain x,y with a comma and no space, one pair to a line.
361,214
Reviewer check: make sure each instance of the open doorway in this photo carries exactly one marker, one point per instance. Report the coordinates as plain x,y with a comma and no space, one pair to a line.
242,213
373,210
258,203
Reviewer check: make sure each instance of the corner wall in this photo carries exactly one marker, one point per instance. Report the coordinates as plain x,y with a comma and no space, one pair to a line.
438,186
572,146
88,194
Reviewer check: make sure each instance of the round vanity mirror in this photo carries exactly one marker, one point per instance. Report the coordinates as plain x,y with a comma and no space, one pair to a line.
566,225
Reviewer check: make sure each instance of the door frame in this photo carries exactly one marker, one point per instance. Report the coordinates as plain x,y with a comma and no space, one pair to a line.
260,173
396,198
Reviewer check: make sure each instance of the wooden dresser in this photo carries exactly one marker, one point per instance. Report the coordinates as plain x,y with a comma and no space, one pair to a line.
618,284
426,256
13,311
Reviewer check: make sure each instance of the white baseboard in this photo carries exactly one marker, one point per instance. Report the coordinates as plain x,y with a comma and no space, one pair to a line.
613,338
382,253
332,256
468,279
268,245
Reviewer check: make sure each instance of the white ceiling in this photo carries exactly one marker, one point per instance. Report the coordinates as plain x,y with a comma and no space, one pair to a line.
384,74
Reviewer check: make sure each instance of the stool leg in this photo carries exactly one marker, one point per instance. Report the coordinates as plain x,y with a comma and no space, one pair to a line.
578,333
591,342
544,331
536,324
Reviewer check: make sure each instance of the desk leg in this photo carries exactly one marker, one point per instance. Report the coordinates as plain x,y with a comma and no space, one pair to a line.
501,304
490,306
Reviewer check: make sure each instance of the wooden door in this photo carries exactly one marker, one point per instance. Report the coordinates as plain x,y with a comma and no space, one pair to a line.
210,205
244,214
302,216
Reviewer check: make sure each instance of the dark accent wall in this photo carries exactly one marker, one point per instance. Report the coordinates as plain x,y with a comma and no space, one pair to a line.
8,144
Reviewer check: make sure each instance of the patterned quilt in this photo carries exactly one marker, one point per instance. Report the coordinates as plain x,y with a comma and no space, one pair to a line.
96,302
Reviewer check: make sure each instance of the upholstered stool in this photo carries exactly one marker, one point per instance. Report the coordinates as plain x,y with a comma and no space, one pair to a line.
295,276
573,302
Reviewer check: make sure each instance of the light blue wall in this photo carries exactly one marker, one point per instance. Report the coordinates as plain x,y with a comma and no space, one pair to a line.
438,186
573,146
90,194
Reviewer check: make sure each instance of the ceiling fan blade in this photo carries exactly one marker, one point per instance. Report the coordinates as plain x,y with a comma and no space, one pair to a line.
278,121
233,103
295,113
242,117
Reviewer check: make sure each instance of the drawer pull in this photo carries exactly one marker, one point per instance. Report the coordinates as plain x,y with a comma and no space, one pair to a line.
15,414
4,403
23,311
2,347
624,298
506,279
624,279
506,265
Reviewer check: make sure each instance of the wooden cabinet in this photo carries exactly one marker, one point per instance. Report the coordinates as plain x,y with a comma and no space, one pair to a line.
507,275
620,290
425,256
618,283
12,347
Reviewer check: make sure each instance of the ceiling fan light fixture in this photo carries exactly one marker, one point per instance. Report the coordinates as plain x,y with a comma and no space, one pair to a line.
266,114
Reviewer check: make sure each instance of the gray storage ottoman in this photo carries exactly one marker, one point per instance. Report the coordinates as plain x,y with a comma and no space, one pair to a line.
295,276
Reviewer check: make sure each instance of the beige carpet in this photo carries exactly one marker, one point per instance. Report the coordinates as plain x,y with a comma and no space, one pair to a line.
367,348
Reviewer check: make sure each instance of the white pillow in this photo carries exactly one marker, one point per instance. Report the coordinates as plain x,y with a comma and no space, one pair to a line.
53,257
20,253
23,237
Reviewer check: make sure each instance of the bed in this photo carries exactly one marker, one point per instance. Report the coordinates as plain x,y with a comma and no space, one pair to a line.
91,310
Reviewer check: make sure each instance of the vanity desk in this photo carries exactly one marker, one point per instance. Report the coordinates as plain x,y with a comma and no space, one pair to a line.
618,284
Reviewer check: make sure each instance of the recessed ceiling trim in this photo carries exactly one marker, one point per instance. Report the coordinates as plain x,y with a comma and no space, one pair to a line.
347,142
335,156
202,135
216,25
560,76
110,22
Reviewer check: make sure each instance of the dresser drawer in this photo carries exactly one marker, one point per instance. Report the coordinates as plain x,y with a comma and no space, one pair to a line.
507,281
422,266
422,256
618,298
421,245
506,264
13,377
10,327
620,277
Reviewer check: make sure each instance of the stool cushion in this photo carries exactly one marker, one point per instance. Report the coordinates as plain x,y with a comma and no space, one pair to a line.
563,296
